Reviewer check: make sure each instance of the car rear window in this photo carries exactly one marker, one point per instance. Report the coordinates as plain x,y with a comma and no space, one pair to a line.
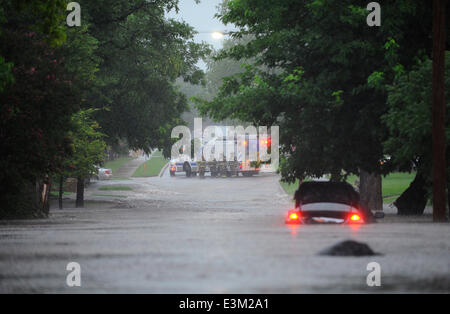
326,192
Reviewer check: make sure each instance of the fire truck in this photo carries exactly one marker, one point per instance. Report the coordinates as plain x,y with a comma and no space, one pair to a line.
223,166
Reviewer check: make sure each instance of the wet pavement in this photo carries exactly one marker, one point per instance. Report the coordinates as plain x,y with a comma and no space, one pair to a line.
223,235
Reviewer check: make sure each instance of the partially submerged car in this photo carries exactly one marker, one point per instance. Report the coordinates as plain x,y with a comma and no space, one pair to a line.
328,202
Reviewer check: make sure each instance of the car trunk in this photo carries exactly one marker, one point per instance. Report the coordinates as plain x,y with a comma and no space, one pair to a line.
325,212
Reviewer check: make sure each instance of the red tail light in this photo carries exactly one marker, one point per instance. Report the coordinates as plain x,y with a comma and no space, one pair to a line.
107,172
293,217
355,217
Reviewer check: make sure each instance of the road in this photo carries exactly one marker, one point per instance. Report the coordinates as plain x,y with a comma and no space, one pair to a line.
224,235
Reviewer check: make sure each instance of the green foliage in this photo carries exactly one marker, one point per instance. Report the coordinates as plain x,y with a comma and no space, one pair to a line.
219,68
88,146
5,74
35,112
320,73
394,184
116,188
43,73
123,60
142,54
46,17
42,16
409,118
80,54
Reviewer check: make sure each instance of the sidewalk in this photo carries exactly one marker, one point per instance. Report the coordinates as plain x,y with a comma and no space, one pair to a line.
127,170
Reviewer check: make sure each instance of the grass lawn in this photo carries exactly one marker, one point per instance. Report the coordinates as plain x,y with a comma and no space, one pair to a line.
393,185
289,188
56,193
151,168
120,178
114,165
108,195
115,188
157,154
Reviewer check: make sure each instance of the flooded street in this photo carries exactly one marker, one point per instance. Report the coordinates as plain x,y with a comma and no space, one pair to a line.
223,235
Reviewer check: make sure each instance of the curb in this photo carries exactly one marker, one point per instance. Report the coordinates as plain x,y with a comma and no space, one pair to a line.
163,170
281,188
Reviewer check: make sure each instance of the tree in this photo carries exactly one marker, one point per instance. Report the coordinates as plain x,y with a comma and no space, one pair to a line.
123,60
35,113
38,100
220,68
409,123
47,18
329,91
217,70
88,150
142,53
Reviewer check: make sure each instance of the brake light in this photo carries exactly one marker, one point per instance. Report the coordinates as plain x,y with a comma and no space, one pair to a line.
293,217
106,171
172,169
355,217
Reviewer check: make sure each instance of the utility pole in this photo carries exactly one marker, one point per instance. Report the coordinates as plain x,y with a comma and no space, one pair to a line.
439,168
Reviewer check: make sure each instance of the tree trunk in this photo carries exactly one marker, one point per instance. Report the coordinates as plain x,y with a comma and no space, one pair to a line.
61,191
80,193
28,199
414,199
370,191
43,189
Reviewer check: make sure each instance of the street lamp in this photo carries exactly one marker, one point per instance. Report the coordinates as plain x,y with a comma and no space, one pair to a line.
217,35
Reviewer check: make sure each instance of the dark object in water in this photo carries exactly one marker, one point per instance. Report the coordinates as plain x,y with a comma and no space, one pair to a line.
349,248
414,199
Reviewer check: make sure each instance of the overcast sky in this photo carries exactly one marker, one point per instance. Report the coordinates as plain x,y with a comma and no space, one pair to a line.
201,17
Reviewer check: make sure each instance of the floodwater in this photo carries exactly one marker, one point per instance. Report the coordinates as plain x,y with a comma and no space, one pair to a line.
222,235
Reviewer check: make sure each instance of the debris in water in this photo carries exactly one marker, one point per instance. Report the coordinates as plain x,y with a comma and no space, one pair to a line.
349,248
